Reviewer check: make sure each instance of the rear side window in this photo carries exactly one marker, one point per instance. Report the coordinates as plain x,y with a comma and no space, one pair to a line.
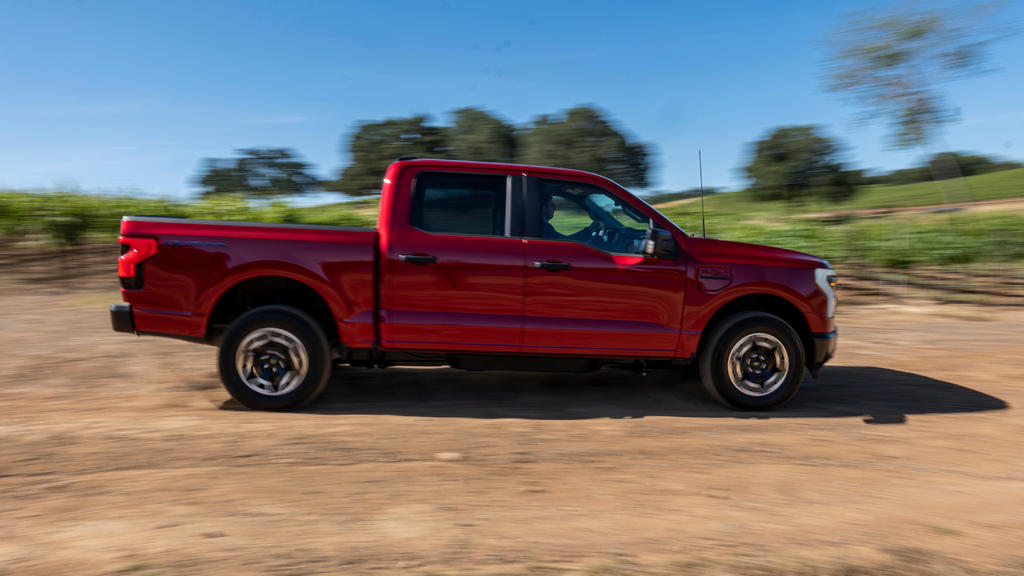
460,203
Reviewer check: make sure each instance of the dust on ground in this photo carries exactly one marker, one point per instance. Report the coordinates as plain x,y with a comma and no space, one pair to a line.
124,455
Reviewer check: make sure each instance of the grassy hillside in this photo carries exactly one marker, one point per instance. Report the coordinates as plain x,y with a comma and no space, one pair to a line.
901,239
743,205
994,186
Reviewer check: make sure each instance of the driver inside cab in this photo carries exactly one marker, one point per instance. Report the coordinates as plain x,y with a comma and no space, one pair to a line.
584,212
547,210
548,231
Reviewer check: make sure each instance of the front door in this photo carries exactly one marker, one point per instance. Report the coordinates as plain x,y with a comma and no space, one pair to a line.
589,288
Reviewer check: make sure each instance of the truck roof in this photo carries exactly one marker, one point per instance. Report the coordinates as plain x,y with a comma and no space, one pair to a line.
502,166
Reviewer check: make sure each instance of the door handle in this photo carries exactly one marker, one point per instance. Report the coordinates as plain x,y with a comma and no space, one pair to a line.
418,259
552,266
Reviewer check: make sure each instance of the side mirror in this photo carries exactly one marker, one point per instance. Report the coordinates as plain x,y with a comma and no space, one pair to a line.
659,243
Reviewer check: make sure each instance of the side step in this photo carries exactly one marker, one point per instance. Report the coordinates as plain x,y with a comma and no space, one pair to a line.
513,364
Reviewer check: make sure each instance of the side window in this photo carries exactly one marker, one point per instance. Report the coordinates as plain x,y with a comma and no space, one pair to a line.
561,213
460,203
583,213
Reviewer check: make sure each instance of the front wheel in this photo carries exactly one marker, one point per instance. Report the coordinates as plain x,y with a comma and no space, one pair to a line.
753,361
274,358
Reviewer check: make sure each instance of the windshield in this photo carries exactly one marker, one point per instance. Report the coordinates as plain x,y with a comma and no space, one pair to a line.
622,213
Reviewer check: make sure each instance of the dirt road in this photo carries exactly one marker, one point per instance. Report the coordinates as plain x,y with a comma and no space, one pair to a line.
124,455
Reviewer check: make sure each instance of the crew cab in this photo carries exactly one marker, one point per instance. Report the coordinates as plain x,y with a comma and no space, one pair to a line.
480,266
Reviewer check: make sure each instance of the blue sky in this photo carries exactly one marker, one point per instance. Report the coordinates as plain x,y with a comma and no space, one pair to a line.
129,96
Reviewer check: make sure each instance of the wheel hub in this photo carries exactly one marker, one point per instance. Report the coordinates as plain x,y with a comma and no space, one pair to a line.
758,364
272,366
271,361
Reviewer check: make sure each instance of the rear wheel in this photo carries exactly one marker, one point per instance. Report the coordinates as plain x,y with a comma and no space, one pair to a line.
752,360
274,358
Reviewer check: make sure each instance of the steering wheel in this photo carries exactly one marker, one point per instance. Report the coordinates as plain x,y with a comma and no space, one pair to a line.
611,234
607,235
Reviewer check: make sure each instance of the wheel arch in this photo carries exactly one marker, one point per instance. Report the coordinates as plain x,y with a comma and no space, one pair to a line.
767,303
267,290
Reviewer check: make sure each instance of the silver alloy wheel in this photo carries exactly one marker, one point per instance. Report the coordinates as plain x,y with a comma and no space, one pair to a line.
758,364
271,361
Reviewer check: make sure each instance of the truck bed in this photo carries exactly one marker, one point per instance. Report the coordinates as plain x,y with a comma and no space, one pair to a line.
197,261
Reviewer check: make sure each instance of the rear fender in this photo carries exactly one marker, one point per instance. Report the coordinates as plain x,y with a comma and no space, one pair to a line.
248,271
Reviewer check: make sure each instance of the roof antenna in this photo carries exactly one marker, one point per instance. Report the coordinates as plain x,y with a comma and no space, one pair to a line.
700,167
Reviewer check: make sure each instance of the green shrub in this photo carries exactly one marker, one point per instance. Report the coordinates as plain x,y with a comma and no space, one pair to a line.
67,218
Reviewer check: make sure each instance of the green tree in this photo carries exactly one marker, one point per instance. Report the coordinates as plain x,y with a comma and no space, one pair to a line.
797,162
583,139
478,135
894,62
257,173
375,145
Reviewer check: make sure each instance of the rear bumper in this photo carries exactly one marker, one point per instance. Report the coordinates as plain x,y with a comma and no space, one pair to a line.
824,349
121,318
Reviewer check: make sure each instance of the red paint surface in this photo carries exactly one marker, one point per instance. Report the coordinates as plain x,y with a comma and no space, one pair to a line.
606,304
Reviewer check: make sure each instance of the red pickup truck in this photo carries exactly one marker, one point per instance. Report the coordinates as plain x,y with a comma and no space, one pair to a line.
479,266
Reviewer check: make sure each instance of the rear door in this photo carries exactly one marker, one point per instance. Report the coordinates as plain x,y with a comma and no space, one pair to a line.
589,288
454,267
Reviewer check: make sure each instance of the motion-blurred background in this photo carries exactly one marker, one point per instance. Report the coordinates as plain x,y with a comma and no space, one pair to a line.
886,137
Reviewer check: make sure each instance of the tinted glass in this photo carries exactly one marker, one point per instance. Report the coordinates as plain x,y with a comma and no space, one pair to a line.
460,204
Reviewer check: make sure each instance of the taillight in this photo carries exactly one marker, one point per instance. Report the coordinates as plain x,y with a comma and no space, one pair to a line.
134,251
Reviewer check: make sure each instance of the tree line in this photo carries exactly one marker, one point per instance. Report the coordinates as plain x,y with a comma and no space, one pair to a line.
581,138
791,163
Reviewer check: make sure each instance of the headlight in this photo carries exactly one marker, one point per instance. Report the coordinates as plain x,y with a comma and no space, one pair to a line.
825,278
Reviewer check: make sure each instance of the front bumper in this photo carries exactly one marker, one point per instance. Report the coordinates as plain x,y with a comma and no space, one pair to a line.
121,319
824,349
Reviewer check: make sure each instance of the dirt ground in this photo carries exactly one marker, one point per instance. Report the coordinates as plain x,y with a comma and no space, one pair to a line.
122,455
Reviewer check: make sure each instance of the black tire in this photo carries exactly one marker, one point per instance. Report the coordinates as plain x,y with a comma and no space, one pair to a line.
756,328
285,326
